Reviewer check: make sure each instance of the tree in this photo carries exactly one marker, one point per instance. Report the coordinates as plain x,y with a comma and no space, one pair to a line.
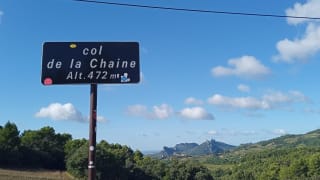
314,164
271,171
77,163
148,166
9,137
186,170
72,146
202,176
137,156
244,175
113,161
44,148
299,168
9,145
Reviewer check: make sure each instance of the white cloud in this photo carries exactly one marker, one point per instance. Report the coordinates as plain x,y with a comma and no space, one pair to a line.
276,97
291,51
57,111
271,100
101,119
193,101
309,9
196,113
299,49
212,132
245,66
279,132
163,111
243,88
237,102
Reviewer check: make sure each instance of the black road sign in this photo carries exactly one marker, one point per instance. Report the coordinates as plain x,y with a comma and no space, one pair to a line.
90,62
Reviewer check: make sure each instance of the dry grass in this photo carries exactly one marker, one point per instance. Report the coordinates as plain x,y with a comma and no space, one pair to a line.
8,174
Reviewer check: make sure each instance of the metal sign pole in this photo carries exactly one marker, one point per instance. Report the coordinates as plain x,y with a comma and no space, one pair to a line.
92,132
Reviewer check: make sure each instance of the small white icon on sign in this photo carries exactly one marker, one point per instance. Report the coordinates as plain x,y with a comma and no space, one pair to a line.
124,78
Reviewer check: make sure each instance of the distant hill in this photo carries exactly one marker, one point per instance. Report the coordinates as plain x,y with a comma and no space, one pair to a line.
285,157
310,139
212,147
194,149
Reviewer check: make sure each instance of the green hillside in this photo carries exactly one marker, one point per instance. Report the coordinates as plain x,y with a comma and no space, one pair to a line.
310,139
286,157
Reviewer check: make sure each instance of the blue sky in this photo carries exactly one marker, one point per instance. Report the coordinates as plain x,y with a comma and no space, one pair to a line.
237,79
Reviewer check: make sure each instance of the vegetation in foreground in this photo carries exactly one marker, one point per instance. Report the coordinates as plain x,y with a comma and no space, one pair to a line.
287,157
45,149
